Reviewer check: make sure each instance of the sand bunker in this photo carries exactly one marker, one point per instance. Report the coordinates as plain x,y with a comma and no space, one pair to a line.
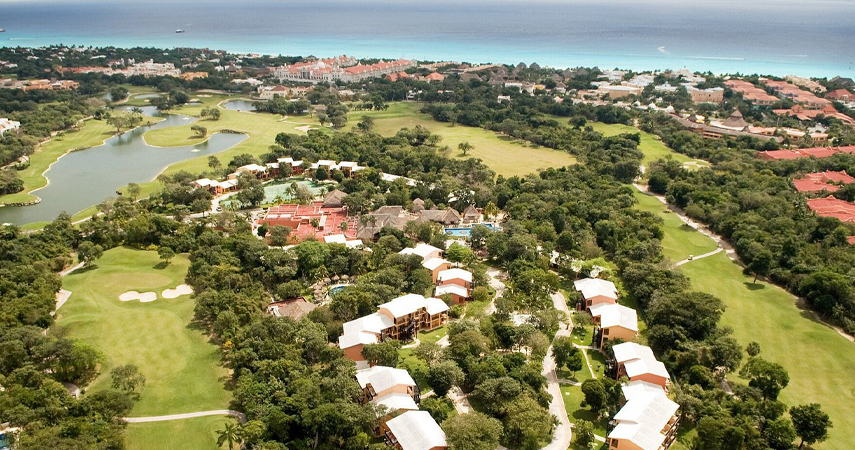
204,95
144,297
305,128
181,289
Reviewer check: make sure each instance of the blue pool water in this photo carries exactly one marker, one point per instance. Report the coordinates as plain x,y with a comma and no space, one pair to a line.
465,232
336,289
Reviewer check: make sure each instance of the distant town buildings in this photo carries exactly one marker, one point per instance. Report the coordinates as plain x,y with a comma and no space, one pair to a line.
752,93
342,68
816,152
46,85
709,95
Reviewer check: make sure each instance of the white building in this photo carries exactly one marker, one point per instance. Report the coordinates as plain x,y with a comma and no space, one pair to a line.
8,125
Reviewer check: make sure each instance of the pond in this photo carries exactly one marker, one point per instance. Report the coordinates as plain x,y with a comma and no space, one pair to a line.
239,105
81,179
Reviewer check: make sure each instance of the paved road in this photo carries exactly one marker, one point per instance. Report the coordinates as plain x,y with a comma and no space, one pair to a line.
561,438
216,412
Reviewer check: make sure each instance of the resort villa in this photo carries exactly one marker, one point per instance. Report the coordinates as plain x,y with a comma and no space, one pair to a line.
402,319
638,363
752,93
294,308
393,388
816,152
425,251
414,430
613,321
436,265
595,292
344,68
647,421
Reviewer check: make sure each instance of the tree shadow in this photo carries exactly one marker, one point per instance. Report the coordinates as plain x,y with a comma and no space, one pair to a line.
85,269
687,227
161,265
754,286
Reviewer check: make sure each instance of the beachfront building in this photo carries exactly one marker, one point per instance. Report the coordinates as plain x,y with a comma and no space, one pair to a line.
751,93
647,421
595,292
638,363
343,68
618,91
790,91
9,125
613,321
152,69
393,388
414,430
808,114
709,95
401,318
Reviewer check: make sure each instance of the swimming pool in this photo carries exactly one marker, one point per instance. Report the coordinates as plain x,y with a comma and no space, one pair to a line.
336,289
465,232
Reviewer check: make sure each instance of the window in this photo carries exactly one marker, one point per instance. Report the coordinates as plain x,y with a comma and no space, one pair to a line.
605,332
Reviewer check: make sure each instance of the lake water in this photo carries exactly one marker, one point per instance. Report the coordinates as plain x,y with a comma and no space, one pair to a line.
804,37
81,179
239,105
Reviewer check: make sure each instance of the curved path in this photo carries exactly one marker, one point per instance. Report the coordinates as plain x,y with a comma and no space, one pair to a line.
216,412
688,260
561,438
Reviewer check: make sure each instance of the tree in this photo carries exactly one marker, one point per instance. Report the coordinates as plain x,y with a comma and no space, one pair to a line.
199,130
366,125
474,431
214,114
88,252
134,191
766,376
595,395
165,253
459,254
753,349
527,424
229,434
443,376
464,147
566,355
251,190
761,262
780,434
429,352
118,93
214,163
382,354
584,431
811,423
279,235
127,379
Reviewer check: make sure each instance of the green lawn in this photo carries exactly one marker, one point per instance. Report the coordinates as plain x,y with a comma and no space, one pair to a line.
680,240
573,396
197,434
505,155
181,367
651,145
819,361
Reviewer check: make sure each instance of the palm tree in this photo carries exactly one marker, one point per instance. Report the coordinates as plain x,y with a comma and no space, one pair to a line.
231,434
491,210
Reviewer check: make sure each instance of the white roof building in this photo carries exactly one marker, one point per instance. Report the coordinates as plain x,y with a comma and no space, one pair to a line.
454,274
638,388
416,430
432,263
410,303
364,330
421,249
639,360
613,314
452,289
383,378
644,420
8,125
396,401
595,287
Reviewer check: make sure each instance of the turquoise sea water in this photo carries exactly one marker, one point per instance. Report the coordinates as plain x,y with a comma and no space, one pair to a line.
807,37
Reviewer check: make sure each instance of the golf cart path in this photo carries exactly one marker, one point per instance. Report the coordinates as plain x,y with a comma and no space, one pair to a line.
216,412
561,438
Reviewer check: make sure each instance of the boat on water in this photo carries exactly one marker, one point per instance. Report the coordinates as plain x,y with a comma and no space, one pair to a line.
179,30
2,30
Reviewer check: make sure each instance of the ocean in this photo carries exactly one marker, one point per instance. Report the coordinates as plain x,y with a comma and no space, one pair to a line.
777,37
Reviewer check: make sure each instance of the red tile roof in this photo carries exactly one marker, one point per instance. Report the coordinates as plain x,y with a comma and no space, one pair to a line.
839,94
816,152
832,207
808,185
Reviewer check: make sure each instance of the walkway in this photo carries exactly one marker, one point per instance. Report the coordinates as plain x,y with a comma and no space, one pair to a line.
688,260
217,412
562,436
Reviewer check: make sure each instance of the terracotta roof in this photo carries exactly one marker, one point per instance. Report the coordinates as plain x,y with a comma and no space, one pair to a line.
832,207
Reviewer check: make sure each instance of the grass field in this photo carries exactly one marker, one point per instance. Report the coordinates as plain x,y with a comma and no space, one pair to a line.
819,361
680,240
650,145
182,369
197,434
505,155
